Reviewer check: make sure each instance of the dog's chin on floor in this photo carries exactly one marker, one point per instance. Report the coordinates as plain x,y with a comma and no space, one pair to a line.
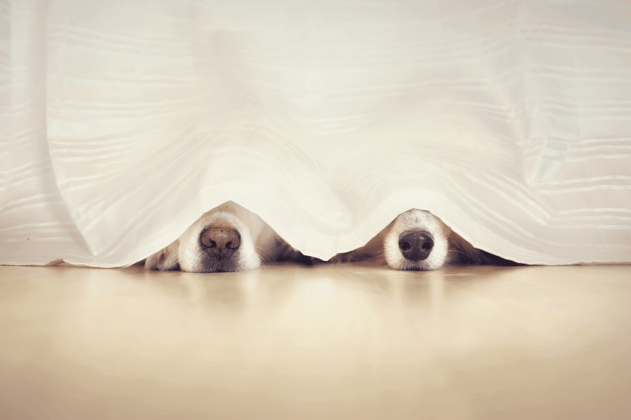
228,238
419,241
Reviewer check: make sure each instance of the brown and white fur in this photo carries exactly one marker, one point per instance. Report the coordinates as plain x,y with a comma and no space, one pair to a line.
419,241
227,238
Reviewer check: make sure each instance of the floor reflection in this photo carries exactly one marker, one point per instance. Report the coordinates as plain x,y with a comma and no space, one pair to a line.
329,339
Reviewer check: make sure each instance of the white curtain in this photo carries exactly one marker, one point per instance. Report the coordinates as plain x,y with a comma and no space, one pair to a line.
123,121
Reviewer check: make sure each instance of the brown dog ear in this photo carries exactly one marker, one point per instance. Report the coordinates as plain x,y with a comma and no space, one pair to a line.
462,252
165,259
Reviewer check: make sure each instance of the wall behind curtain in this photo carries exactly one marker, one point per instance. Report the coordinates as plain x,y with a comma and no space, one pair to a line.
123,121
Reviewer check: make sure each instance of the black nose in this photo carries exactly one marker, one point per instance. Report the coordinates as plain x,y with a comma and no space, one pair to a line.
220,242
416,245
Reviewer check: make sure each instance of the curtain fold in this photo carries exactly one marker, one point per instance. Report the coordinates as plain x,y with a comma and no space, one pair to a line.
123,121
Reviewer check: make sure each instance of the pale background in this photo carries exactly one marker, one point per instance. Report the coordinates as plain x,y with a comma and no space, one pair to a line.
123,121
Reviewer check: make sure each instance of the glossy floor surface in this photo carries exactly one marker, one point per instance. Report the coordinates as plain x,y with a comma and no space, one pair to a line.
328,342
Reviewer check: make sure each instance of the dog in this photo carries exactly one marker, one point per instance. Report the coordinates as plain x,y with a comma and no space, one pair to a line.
419,241
228,238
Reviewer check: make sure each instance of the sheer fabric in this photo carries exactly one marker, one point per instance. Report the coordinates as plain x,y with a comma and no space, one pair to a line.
123,121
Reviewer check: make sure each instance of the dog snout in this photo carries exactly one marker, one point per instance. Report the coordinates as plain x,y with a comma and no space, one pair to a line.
220,242
416,245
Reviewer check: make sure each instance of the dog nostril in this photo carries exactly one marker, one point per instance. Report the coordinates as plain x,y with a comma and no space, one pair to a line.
416,245
220,241
206,240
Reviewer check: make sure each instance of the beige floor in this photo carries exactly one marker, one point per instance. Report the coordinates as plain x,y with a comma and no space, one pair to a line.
330,342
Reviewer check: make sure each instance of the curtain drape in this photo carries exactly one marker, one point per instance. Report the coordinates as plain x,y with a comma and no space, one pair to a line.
123,121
